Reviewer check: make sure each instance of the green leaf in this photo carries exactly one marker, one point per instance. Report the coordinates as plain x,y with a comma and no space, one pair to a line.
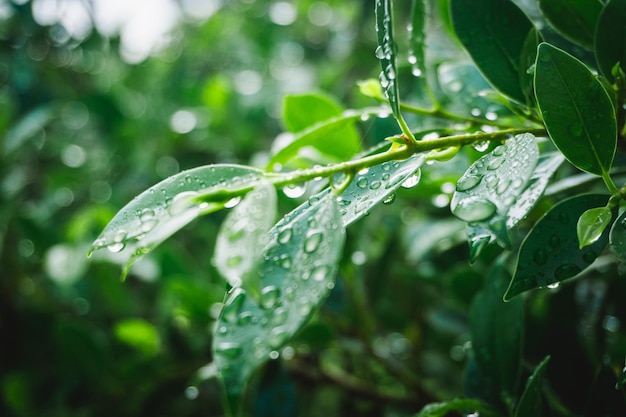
550,253
604,399
417,37
139,334
496,332
323,136
591,224
528,58
530,403
617,237
442,409
386,52
576,109
610,40
297,274
493,32
302,111
168,206
574,19
491,186
621,380
242,237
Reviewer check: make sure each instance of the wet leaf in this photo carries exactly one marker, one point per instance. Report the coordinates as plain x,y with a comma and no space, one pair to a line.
242,237
528,57
493,32
574,19
530,403
610,43
443,409
491,186
386,53
168,206
591,224
617,237
296,276
496,332
577,111
417,37
550,253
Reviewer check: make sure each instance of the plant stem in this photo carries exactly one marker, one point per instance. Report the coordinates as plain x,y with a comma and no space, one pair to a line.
608,181
443,114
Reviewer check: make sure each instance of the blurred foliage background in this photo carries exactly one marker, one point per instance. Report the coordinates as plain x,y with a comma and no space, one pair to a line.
88,120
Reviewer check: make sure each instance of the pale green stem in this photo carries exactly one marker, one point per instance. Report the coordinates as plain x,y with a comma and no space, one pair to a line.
608,181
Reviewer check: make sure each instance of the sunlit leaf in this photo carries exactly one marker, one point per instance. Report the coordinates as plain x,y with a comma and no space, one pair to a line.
617,237
491,186
550,253
139,334
417,37
168,206
591,224
610,43
242,237
297,274
386,52
493,32
574,19
496,331
576,109
530,403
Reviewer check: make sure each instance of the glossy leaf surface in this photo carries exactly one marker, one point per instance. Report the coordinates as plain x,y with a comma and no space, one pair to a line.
297,274
617,237
574,19
242,236
491,186
496,332
493,32
591,225
168,206
386,53
576,109
444,408
530,403
610,41
550,253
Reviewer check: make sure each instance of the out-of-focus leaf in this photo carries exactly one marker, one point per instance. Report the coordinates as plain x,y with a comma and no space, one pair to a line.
574,19
528,57
242,237
298,272
493,32
27,127
442,409
617,237
386,52
490,187
530,403
496,331
168,206
417,36
604,399
576,109
138,334
550,252
610,43
591,224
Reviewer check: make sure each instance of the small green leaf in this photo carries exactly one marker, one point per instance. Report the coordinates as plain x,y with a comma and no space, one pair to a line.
417,37
168,206
622,379
591,224
242,237
490,187
574,19
576,109
493,32
442,409
496,332
386,53
297,274
610,39
139,334
530,403
617,237
550,253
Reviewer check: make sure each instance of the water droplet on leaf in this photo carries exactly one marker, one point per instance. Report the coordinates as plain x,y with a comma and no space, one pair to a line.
474,209
468,182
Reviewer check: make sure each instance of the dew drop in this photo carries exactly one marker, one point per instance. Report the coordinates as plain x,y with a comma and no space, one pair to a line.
495,163
294,190
320,273
232,202
554,285
280,316
230,350
245,318
481,146
503,186
285,235
540,257
380,54
389,199
362,182
590,256
491,181
412,180
468,182
269,296
231,309
285,261
116,247
374,185
566,271
312,241
182,202
499,150
474,209
277,336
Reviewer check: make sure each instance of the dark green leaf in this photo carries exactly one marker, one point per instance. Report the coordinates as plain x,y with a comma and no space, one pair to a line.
604,398
574,19
591,224
491,186
168,206
610,40
617,237
550,252
444,408
386,52
622,379
528,57
298,272
576,109
496,331
242,237
417,37
493,32
530,403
